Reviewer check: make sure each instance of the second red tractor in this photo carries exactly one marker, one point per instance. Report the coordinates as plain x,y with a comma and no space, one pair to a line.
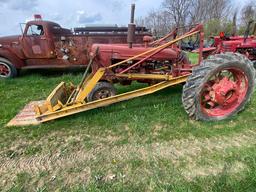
245,44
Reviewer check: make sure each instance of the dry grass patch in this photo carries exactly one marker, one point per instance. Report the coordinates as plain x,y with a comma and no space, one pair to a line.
181,153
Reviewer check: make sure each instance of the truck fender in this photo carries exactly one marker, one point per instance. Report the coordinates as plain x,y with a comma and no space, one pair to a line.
13,58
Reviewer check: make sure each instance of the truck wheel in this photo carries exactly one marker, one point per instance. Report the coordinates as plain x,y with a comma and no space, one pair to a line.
102,90
219,88
7,69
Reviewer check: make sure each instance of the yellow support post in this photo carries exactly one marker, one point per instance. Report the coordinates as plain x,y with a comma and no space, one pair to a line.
89,85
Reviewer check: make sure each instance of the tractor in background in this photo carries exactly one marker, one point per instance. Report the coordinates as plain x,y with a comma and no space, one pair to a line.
245,45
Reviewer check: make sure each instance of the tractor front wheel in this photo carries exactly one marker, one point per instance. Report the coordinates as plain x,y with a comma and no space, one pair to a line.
219,87
102,90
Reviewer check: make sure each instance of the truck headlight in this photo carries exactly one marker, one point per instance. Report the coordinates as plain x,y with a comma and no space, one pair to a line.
1,45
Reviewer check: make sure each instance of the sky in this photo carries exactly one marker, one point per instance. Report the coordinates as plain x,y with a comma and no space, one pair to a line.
72,13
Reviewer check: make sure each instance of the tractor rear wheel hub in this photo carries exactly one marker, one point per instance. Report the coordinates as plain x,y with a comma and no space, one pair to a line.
225,92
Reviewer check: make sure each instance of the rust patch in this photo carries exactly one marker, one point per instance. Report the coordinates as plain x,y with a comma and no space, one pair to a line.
26,116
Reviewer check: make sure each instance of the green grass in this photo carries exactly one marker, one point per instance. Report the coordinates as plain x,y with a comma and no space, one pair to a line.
193,57
146,144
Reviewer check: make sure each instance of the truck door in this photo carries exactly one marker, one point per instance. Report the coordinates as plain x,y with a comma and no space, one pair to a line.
36,44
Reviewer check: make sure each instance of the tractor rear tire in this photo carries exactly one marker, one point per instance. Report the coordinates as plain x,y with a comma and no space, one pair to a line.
209,95
102,90
7,69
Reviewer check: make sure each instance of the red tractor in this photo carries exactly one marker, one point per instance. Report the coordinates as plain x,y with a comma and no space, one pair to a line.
245,45
214,89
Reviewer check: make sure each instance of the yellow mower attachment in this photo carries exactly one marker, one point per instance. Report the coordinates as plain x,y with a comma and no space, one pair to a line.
81,107
55,107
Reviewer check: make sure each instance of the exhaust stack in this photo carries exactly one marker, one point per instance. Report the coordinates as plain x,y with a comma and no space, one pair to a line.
131,28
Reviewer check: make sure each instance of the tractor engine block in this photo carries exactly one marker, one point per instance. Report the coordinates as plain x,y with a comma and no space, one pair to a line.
149,67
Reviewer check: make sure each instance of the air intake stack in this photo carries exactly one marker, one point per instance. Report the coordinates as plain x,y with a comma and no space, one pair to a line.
131,28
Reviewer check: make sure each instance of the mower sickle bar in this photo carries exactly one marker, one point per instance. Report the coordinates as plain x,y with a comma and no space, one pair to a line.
81,107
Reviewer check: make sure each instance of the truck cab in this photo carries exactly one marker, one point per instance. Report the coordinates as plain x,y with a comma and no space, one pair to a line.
37,40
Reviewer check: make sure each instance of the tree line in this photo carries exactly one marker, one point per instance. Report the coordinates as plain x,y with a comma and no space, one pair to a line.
216,15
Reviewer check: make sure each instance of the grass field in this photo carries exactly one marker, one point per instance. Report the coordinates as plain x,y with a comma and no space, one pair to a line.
145,144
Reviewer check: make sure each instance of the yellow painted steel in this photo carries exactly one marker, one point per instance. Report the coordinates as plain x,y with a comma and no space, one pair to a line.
81,107
89,85
54,100
61,98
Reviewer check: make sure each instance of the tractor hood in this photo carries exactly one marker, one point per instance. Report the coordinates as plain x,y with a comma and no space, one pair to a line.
9,39
112,51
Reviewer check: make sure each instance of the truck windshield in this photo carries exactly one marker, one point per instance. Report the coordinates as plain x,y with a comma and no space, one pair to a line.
35,30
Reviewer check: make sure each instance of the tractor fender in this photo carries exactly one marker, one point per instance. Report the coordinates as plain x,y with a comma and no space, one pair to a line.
12,57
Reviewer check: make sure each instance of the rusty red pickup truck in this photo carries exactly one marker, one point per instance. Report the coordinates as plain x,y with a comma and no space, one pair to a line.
45,44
